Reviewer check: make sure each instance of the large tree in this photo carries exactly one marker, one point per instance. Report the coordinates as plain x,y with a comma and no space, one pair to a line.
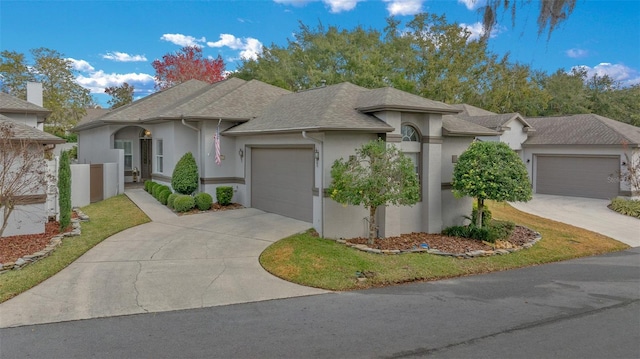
187,64
377,175
490,170
61,93
120,95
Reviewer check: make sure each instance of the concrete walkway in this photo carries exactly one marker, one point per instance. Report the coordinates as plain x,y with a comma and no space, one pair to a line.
172,263
587,213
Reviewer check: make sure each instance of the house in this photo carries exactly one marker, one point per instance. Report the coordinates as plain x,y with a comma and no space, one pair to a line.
277,147
35,204
577,155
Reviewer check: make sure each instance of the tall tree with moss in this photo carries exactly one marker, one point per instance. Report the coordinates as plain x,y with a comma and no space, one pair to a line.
491,170
64,190
377,175
185,177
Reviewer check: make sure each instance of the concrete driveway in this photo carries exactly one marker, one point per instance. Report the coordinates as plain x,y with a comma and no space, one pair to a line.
172,263
588,213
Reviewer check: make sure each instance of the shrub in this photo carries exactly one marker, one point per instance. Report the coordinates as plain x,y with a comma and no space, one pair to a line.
159,190
486,214
64,189
152,187
147,185
502,229
184,179
183,203
163,196
456,231
172,197
490,233
224,195
627,207
203,201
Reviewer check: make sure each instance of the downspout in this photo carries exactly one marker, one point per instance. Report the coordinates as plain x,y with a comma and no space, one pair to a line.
199,148
321,182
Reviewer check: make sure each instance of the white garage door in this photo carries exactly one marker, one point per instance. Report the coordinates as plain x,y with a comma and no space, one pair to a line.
282,181
592,177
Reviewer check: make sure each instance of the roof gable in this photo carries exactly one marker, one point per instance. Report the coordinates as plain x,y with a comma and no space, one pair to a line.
28,133
12,104
584,129
389,98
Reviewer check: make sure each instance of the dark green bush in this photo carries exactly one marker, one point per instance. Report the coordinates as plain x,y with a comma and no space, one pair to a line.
224,194
502,229
185,177
490,233
625,206
152,187
64,189
183,203
172,197
456,231
159,192
203,201
163,196
147,185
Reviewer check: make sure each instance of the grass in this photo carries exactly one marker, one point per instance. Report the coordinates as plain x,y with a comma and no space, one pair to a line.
322,263
626,206
107,218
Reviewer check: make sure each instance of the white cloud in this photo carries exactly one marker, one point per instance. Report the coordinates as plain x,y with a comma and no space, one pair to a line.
298,3
473,4
250,47
618,72
337,6
577,53
97,81
404,7
182,40
123,57
80,65
477,30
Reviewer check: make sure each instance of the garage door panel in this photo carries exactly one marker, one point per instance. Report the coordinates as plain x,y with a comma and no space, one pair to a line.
577,176
282,181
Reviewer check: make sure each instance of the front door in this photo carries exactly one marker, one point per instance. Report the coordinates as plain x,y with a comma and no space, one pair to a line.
146,158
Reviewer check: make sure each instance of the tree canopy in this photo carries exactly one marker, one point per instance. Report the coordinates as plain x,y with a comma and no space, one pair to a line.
490,170
377,175
120,95
187,64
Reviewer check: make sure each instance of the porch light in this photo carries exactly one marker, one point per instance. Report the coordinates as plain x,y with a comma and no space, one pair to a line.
241,153
147,133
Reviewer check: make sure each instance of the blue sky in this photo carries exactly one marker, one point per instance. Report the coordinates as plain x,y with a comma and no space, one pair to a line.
111,42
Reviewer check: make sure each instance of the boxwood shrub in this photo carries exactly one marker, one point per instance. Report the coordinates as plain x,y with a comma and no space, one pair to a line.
163,195
203,201
183,203
172,197
224,195
185,177
147,185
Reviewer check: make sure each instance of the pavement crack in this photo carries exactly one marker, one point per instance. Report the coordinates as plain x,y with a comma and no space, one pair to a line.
224,268
422,352
135,287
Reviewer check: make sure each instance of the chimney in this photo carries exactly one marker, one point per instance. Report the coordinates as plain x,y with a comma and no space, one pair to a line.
34,93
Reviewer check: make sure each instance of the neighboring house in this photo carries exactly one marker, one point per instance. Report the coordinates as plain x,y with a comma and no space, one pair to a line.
277,147
576,155
27,119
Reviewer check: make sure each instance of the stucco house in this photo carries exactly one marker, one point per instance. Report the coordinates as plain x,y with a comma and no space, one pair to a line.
576,155
277,147
26,120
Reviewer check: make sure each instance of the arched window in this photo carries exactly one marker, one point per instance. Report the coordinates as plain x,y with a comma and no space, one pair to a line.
411,145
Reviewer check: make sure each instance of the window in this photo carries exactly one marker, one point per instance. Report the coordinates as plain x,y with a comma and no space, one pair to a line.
128,156
411,146
159,156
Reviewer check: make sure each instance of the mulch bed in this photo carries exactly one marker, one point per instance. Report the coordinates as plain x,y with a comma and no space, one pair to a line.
14,247
216,207
456,245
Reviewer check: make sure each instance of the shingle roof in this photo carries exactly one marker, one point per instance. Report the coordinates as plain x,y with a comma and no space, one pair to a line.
324,108
25,132
452,125
495,121
92,114
388,98
585,129
12,104
471,110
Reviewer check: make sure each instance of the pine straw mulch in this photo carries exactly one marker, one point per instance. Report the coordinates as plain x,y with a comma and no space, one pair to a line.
456,245
14,247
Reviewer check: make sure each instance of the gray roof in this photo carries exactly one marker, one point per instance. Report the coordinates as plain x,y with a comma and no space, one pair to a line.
471,110
12,104
585,129
92,114
452,125
494,121
22,131
323,108
388,98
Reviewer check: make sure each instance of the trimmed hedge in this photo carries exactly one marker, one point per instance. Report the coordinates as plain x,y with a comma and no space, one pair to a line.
183,203
64,189
147,185
172,197
224,194
185,177
163,195
203,201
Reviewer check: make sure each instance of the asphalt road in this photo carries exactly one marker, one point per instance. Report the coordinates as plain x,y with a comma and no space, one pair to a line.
585,308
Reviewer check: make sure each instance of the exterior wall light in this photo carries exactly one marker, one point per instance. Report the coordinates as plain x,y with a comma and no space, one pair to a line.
241,153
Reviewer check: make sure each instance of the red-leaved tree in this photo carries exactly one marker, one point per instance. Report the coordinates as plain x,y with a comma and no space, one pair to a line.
187,64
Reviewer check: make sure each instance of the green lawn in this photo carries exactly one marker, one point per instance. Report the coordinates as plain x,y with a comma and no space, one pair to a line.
107,217
322,263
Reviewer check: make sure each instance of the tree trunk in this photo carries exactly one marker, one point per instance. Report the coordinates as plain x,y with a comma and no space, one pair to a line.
480,212
6,212
372,224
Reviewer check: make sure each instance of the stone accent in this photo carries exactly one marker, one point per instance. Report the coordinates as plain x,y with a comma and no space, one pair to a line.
53,244
470,254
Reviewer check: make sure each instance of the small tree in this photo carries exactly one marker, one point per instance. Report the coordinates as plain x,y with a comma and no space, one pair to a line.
490,170
120,95
185,177
64,190
186,64
22,170
377,175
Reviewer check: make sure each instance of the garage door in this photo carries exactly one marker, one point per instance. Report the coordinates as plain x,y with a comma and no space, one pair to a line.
577,176
282,181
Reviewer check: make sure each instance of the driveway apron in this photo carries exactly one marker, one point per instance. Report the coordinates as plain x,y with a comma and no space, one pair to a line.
172,263
588,213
